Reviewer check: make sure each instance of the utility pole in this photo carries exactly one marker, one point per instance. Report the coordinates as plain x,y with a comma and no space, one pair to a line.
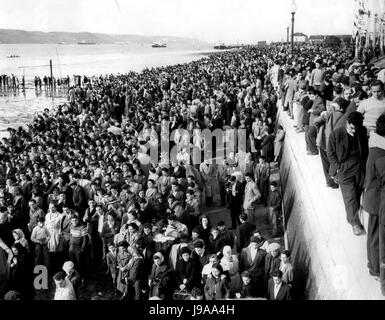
50,68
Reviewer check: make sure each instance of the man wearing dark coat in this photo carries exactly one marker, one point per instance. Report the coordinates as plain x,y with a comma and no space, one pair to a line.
347,154
79,197
235,196
243,233
187,272
226,235
160,277
277,289
200,253
253,261
248,288
374,202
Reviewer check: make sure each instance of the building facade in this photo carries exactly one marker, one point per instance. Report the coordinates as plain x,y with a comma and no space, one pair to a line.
300,37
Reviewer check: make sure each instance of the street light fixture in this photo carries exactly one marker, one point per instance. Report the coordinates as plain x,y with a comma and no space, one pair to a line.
293,11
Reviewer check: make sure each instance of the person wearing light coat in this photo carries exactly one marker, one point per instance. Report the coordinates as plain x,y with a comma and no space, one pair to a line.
252,195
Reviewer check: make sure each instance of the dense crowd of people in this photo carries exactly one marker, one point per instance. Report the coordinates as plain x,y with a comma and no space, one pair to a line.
80,196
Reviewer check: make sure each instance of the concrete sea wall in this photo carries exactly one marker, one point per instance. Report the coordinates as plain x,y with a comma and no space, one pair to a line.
330,262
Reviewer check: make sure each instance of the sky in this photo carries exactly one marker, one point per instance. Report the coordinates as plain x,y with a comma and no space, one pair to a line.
231,21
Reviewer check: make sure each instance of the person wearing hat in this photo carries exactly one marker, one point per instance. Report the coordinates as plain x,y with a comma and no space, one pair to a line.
160,276
72,275
187,271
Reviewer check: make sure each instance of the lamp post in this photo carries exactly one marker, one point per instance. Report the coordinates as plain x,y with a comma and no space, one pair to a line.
293,11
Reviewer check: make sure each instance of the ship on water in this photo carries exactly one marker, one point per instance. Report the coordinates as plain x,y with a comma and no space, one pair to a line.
84,42
220,46
159,45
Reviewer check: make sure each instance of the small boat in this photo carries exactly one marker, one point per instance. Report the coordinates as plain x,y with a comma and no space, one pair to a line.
159,45
12,56
86,42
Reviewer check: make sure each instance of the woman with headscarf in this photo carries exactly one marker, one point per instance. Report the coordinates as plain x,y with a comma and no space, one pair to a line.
160,277
230,266
72,275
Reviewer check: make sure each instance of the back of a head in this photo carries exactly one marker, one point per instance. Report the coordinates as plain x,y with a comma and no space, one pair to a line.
59,276
356,119
342,103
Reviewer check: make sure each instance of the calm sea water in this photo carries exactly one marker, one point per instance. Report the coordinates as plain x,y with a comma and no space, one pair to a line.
18,108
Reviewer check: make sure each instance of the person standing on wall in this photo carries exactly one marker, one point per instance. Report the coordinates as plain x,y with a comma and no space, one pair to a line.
315,111
374,202
347,154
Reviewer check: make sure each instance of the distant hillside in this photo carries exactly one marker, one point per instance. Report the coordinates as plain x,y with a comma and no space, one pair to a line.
11,36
